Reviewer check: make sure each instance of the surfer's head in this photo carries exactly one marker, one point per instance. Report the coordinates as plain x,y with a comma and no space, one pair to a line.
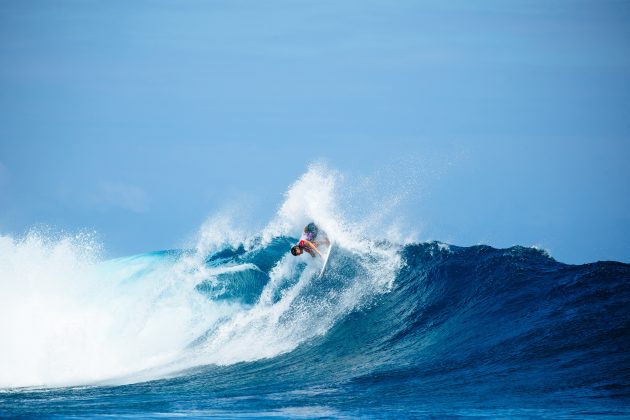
311,228
296,250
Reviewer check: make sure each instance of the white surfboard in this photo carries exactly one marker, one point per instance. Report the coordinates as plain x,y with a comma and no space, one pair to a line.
326,255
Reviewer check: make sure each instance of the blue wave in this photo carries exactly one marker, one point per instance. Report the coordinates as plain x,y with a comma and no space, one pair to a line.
462,331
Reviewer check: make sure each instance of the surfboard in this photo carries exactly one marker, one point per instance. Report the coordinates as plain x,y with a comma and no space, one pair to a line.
326,255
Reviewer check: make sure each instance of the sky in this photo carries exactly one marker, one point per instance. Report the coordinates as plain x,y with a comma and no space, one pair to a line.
139,119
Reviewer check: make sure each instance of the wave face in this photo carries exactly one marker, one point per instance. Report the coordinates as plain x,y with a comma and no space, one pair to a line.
236,326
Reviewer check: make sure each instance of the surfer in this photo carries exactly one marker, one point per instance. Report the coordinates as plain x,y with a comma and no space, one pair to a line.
310,240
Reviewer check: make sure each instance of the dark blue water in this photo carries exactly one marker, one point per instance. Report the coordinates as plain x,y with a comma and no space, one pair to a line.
464,331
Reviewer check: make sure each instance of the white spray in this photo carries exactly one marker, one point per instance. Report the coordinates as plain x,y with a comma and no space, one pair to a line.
68,318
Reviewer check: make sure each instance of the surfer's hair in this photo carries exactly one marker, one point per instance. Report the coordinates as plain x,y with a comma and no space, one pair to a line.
294,250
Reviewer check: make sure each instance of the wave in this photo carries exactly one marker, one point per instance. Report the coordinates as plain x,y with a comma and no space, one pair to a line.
430,317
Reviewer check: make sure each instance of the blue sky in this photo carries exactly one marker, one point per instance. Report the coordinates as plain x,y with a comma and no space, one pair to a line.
140,118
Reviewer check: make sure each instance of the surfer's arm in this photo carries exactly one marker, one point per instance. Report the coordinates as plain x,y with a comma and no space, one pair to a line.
313,247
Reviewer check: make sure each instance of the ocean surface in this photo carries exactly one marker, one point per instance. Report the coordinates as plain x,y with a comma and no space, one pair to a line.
235,326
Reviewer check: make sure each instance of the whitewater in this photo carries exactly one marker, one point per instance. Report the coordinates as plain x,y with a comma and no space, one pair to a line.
74,319
234,325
